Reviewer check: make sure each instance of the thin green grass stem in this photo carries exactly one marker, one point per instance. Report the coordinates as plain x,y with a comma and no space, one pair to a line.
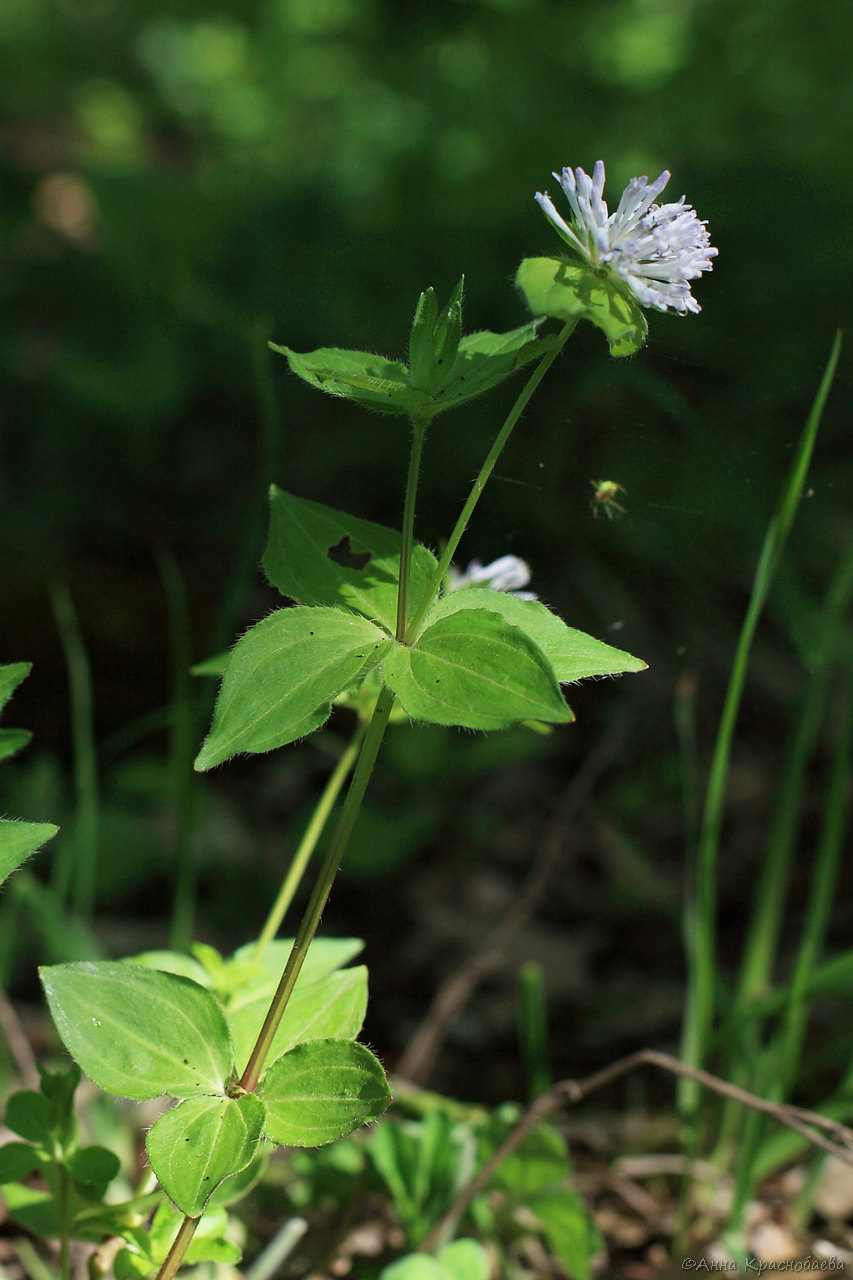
781,1062
700,925
308,843
823,885
408,532
485,472
76,882
761,946
182,734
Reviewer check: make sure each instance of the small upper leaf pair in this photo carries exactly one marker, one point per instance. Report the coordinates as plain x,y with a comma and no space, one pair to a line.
444,369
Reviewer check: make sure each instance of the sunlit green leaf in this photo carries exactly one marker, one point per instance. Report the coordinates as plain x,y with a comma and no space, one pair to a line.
137,1032
363,572
331,1009
321,1091
199,1143
282,677
368,379
474,669
20,839
573,655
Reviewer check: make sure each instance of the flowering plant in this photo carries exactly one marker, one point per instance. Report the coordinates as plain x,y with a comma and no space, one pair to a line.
386,627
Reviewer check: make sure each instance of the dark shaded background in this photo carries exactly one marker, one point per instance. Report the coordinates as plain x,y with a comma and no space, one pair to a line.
182,181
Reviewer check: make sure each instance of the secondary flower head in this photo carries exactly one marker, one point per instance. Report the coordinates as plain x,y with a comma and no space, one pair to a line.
509,573
656,249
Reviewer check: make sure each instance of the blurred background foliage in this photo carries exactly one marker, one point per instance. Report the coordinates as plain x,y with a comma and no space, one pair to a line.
183,179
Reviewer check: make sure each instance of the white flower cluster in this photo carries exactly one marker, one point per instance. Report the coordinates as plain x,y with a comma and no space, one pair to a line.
656,249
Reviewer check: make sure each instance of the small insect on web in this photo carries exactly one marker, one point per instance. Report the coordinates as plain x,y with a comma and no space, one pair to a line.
606,497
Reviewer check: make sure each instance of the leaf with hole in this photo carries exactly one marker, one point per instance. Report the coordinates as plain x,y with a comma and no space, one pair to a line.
137,1032
318,556
200,1143
282,677
322,1091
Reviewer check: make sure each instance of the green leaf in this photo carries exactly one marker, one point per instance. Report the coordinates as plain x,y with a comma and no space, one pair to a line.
140,1033
28,1113
321,1091
474,669
282,677
369,380
93,1165
20,839
11,676
12,741
17,1161
570,1234
573,655
483,360
325,955
422,341
200,1143
298,561
568,290
416,1266
465,1260
331,1009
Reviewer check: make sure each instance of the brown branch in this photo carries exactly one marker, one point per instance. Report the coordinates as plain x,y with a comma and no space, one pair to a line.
419,1057
810,1125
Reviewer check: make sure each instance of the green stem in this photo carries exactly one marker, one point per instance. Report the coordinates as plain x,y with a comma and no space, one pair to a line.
419,426
485,471
86,818
181,1243
308,843
64,1232
325,877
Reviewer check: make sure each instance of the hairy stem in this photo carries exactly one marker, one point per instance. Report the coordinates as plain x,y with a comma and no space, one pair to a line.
308,843
419,427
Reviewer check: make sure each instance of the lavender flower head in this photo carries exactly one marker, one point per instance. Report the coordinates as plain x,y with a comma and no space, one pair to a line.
656,249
